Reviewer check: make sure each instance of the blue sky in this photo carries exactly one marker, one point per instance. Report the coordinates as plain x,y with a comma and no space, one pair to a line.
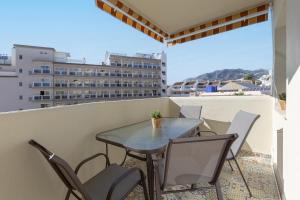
78,27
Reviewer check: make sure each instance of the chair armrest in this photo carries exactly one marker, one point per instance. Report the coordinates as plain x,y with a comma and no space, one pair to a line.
91,158
121,178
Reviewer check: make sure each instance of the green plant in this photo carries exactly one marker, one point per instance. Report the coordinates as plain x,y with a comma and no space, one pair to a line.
282,96
156,115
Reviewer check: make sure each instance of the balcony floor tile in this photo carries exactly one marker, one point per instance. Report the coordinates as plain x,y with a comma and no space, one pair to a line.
257,170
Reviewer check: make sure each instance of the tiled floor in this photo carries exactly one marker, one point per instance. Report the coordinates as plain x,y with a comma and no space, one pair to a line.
257,170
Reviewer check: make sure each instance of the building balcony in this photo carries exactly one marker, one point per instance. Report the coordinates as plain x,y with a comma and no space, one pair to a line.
61,97
40,98
37,71
61,85
59,129
60,73
40,85
75,96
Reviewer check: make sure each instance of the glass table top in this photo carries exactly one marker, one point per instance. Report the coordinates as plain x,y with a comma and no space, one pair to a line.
142,137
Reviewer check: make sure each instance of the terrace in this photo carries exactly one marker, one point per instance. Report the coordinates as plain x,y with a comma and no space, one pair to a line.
268,157
71,130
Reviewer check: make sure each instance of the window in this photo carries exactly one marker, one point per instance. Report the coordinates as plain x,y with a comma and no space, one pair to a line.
20,57
20,84
20,70
20,97
163,73
45,69
163,81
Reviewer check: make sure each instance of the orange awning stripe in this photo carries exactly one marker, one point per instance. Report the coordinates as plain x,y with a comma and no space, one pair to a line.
228,27
237,20
139,26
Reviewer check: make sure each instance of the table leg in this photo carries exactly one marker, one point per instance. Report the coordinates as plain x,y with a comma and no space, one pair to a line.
150,176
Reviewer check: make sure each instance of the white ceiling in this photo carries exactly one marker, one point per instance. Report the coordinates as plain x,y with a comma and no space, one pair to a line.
177,15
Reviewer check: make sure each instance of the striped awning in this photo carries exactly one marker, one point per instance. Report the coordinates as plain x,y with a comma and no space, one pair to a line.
138,20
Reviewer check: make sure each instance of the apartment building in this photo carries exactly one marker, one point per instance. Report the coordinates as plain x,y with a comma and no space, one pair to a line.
9,99
184,88
44,77
142,65
192,87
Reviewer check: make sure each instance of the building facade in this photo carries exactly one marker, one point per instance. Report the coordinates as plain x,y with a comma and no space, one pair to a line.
192,87
151,69
45,77
185,88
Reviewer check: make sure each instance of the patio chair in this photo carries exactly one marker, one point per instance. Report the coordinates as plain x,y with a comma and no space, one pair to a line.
191,161
241,124
193,112
113,183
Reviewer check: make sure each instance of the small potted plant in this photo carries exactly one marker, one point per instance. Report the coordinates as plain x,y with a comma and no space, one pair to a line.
282,100
156,119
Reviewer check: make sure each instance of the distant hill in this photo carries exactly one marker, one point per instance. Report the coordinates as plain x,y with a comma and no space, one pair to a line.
230,74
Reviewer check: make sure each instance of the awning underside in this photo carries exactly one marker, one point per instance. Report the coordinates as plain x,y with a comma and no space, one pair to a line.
166,29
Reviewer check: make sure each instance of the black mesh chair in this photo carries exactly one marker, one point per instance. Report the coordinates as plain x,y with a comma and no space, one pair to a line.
192,112
241,124
113,183
191,161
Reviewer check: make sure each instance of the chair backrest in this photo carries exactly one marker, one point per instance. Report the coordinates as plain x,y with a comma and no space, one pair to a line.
241,125
62,168
188,111
197,159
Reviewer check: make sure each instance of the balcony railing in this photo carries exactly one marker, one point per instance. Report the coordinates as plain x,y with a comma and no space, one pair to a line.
61,97
63,85
94,74
40,84
60,73
96,85
40,98
37,71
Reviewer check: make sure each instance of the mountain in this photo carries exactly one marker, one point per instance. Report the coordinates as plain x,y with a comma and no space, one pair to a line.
230,74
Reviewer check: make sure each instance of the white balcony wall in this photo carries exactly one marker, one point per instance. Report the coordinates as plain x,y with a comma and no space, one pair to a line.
70,132
219,111
291,136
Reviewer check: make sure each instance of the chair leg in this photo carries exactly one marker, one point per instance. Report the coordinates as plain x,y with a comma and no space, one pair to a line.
143,183
106,152
123,162
230,165
237,164
68,195
198,132
218,190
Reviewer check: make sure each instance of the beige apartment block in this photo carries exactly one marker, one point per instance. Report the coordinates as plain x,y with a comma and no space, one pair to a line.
44,77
